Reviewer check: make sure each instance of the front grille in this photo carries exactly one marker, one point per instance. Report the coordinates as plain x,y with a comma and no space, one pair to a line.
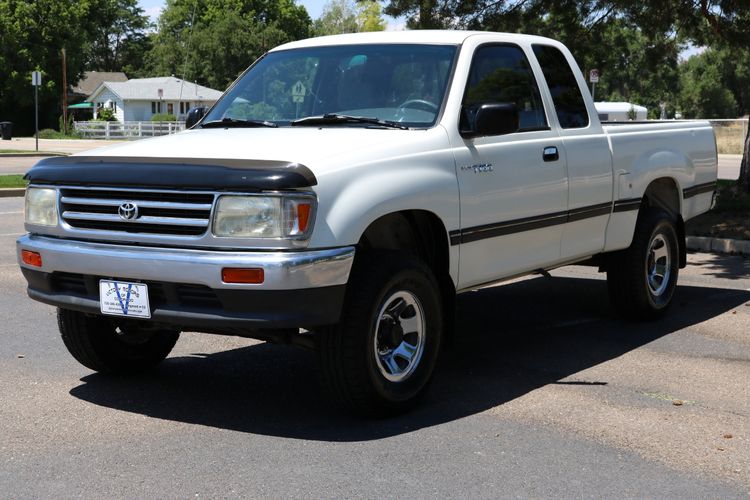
158,212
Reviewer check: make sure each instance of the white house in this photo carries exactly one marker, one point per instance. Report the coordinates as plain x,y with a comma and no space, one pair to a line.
141,98
620,111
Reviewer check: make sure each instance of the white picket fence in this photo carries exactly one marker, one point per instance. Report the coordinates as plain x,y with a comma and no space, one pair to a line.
126,130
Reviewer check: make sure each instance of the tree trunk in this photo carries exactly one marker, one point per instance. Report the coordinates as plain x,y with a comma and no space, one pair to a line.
744,180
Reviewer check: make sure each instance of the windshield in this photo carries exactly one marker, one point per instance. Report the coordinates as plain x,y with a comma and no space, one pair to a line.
392,83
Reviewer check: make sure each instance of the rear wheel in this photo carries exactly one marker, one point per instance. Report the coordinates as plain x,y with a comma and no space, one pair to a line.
379,359
101,345
643,278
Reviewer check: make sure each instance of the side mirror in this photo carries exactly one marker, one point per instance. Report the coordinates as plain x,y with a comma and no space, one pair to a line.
490,119
194,116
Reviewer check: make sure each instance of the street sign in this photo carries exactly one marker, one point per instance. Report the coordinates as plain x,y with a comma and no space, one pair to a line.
298,92
594,76
36,78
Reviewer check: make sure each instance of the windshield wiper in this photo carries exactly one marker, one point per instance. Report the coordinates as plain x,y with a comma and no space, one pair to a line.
233,122
333,118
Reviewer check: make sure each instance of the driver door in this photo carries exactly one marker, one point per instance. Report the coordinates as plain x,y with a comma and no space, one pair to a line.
513,187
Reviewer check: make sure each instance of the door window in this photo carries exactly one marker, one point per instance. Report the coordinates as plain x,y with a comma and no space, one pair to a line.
569,103
501,74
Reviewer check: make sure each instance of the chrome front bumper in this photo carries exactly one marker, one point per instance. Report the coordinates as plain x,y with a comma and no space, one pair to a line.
292,270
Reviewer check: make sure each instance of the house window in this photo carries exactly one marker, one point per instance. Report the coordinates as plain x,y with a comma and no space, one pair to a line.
153,108
170,108
187,107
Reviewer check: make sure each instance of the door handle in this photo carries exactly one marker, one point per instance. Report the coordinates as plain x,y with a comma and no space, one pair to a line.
551,153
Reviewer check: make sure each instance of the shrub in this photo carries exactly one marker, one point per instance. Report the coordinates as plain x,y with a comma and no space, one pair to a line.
106,115
163,117
49,133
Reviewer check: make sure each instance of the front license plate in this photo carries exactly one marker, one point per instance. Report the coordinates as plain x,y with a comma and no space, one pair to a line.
119,298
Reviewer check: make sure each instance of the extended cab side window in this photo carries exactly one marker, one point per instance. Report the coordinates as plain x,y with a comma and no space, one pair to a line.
501,74
569,103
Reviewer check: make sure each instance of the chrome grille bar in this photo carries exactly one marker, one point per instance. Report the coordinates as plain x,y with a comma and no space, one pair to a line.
144,204
168,221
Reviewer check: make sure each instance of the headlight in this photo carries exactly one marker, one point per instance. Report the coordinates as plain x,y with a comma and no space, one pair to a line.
263,217
41,206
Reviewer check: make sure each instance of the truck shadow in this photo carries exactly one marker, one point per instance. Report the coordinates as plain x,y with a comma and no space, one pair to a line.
510,340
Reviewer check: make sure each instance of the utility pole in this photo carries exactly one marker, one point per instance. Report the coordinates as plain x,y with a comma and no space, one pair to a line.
65,93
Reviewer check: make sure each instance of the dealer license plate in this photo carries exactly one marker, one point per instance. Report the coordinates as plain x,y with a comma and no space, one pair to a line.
119,298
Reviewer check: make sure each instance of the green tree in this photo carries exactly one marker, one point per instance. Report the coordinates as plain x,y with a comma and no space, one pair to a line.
370,16
703,92
32,35
337,17
120,37
347,16
213,41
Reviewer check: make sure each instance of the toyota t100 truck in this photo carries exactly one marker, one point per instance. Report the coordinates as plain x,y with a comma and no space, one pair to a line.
342,192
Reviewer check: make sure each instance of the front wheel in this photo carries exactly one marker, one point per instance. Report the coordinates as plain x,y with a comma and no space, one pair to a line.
642,279
380,357
99,344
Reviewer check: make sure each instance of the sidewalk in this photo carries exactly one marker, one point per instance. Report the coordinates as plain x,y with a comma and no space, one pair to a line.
55,145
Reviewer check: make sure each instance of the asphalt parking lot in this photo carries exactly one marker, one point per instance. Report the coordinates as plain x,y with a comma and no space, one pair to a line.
542,394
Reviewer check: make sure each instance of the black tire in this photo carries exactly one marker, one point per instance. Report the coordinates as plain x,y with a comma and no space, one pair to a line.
355,364
96,343
634,292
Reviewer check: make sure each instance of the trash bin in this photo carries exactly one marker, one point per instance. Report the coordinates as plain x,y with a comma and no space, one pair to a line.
6,130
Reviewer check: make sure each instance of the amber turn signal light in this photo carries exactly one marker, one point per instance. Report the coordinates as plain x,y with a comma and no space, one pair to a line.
303,216
31,258
240,275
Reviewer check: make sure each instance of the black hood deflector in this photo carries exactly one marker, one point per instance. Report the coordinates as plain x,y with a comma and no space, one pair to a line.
173,173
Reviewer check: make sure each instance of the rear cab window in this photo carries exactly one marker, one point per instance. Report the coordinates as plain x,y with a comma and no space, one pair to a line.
570,105
500,73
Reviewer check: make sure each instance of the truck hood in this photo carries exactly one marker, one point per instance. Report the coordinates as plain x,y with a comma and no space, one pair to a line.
235,159
319,149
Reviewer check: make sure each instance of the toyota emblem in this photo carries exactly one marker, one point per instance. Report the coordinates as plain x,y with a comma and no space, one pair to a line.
128,211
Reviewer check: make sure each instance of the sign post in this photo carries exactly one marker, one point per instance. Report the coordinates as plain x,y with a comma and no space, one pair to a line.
594,79
36,81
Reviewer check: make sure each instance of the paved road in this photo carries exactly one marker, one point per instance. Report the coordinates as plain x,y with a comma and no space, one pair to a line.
543,394
17,164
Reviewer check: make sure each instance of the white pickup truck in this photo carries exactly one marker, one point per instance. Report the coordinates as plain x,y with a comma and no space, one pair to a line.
344,190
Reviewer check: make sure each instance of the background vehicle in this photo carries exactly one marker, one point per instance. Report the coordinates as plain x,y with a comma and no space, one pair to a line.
350,186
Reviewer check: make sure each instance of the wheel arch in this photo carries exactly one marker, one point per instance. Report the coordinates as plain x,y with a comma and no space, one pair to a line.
664,193
418,232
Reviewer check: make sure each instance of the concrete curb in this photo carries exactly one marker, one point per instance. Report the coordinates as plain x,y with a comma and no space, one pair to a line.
718,245
9,192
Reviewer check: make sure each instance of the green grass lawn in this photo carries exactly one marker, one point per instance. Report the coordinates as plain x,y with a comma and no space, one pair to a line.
12,181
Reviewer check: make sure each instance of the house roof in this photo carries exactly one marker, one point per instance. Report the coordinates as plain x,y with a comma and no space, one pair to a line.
92,79
147,89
